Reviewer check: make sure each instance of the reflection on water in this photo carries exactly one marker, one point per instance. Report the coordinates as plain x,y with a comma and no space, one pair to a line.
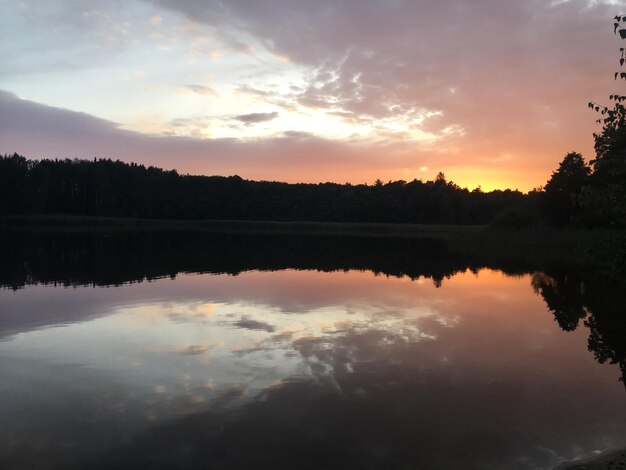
410,354
601,306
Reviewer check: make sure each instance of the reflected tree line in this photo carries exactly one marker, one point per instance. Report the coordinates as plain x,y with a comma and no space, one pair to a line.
599,305
83,258
102,258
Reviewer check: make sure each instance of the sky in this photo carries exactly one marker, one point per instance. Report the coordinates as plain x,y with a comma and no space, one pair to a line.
493,93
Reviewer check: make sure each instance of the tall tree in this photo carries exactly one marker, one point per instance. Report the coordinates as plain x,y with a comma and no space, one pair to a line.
562,191
610,143
607,196
571,175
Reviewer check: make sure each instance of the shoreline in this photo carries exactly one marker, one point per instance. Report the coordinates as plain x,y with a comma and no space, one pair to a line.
467,233
71,222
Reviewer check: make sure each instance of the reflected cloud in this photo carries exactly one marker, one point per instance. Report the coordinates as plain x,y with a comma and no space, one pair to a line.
377,368
74,260
249,324
399,350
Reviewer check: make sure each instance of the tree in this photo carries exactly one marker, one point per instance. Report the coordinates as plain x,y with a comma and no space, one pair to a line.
610,144
606,198
562,191
571,175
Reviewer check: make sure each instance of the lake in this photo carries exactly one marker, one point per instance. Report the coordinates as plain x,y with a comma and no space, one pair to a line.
237,351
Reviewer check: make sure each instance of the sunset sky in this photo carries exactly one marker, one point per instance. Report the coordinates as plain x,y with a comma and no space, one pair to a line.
491,92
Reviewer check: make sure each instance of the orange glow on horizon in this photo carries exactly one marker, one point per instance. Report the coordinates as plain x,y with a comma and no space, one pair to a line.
488,179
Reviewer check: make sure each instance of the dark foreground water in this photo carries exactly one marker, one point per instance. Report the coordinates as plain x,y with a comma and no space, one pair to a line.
256,351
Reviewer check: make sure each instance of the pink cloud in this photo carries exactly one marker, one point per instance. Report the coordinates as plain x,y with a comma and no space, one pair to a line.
515,76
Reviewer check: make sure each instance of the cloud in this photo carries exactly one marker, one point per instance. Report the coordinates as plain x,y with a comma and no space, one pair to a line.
199,90
155,20
39,131
249,324
255,118
298,135
192,349
21,116
488,78
502,86
61,36
245,88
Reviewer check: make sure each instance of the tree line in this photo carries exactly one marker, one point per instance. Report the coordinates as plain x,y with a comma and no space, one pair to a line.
576,194
104,187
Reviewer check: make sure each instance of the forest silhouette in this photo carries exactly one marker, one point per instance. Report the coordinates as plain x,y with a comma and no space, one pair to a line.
574,195
116,189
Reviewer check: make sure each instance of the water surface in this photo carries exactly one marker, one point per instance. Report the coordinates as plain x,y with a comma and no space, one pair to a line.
344,354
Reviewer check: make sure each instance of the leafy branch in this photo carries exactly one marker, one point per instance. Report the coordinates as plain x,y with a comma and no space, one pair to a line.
614,117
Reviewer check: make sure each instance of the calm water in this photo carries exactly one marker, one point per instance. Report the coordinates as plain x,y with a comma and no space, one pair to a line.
235,351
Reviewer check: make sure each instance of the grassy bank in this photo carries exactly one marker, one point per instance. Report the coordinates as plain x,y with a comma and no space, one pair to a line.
80,223
470,233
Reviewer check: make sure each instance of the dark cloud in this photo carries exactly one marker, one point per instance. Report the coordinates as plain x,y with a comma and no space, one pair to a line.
19,115
249,324
254,118
39,131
